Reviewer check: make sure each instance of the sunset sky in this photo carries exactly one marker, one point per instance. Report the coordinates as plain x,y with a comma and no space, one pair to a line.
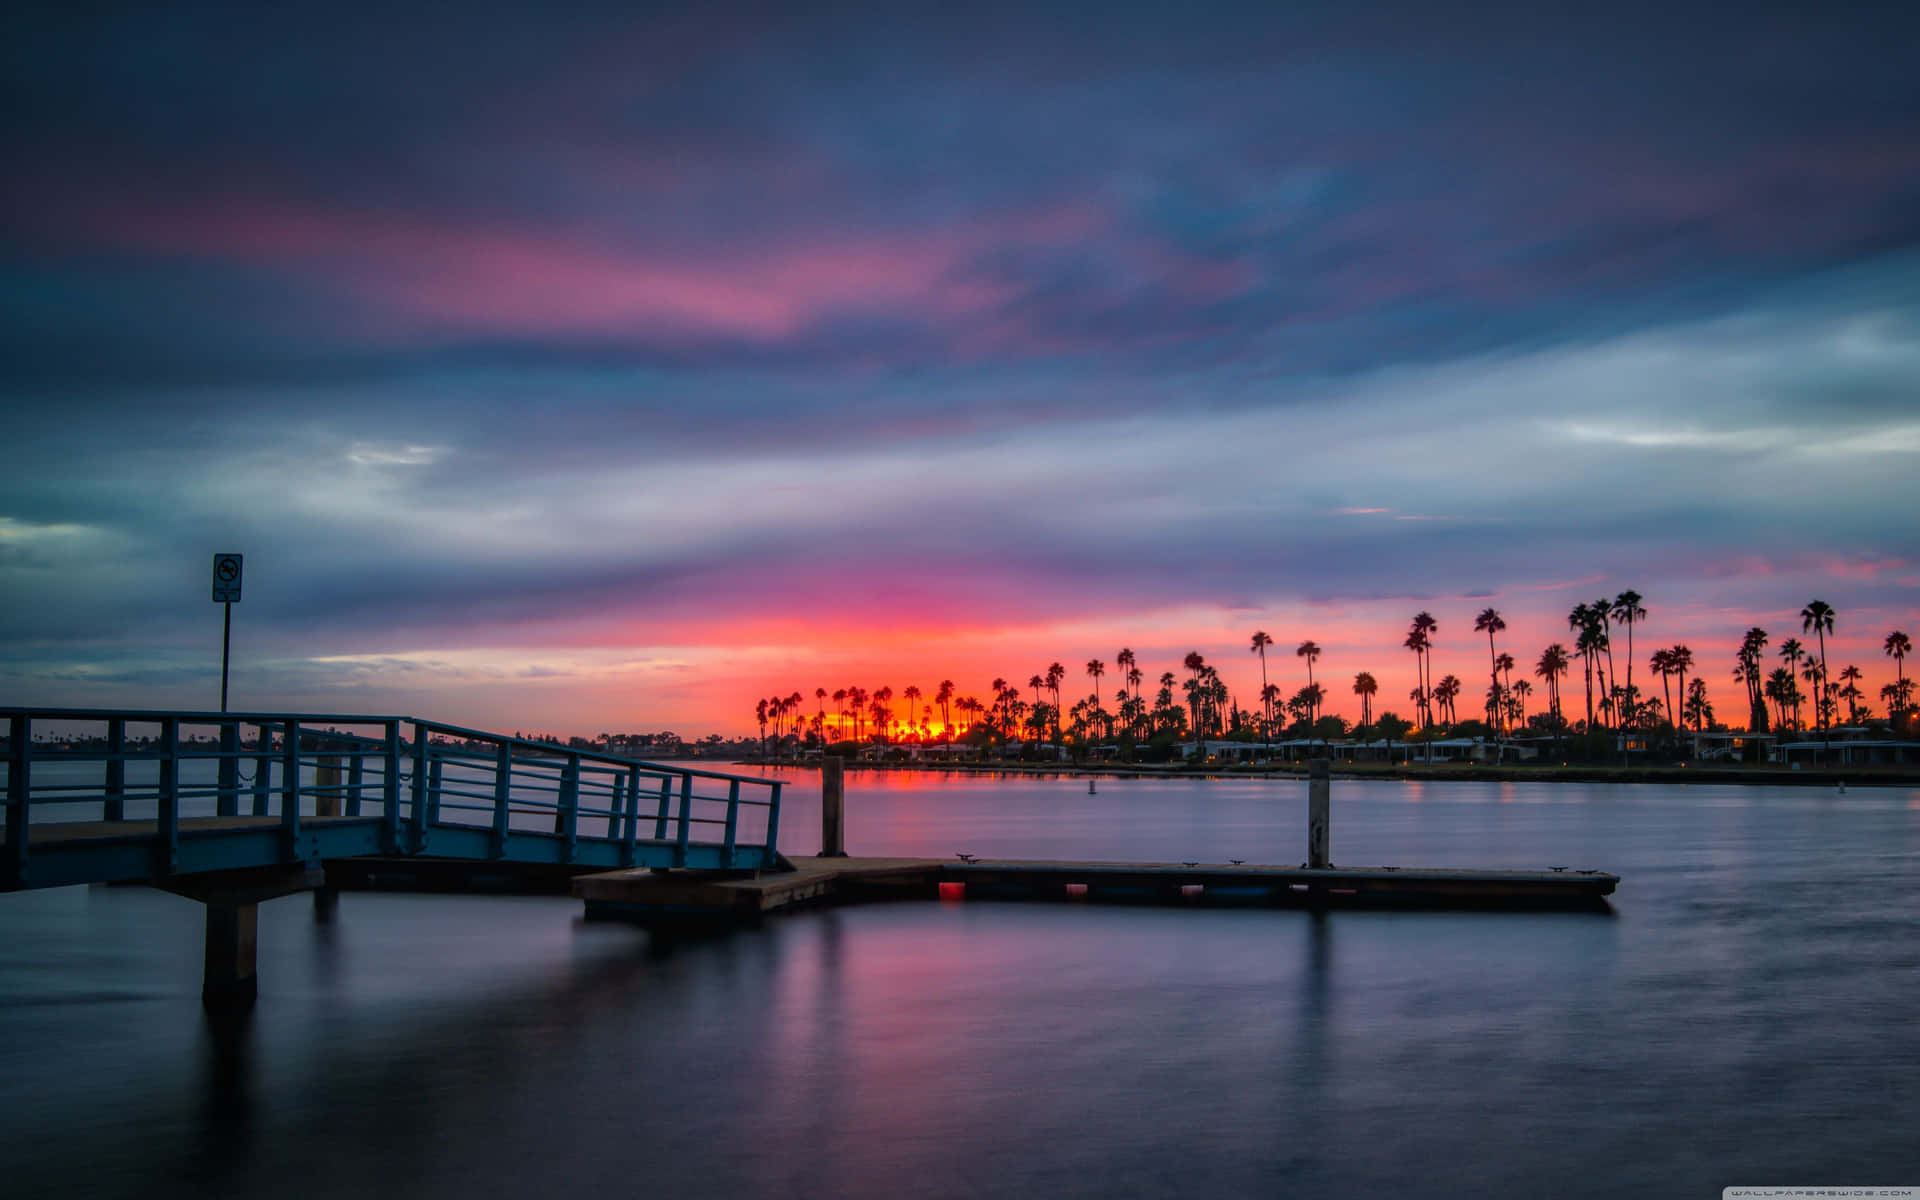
591,372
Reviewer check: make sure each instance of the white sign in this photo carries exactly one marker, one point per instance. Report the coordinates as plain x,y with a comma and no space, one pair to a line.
226,578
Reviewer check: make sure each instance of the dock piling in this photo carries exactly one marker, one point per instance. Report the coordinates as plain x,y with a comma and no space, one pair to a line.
1319,813
833,807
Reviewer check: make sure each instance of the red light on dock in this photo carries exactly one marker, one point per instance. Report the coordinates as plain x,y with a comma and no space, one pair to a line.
953,891
1076,891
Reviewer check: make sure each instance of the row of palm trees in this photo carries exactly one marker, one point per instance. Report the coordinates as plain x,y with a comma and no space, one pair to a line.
1201,704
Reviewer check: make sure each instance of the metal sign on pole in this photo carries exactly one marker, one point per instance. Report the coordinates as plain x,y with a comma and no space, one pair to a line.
226,590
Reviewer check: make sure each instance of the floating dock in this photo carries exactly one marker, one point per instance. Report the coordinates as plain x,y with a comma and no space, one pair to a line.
649,895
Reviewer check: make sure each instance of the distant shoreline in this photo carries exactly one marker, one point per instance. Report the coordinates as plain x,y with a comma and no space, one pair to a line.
1422,772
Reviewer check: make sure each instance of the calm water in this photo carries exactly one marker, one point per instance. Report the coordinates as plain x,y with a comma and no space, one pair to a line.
1750,1012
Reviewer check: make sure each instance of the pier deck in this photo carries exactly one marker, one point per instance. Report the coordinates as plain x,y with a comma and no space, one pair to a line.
650,895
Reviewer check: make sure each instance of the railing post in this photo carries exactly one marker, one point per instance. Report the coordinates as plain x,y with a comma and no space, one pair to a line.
686,821
436,774
116,808
568,817
733,821
167,836
227,803
356,779
290,789
630,851
666,796
419,838
771,854
262,768
502,798
19,789
390,818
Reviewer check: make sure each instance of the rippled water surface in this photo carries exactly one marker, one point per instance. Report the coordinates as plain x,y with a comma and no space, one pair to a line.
1749,1012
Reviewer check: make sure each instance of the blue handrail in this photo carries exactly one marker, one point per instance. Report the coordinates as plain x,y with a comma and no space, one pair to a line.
91,808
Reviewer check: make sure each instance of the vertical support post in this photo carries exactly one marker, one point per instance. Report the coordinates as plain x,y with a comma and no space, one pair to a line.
771,854
262,768
356,781
628,851
290,787
228,983
227,800
436,775
502,798
390,792
420,785
833,807
733,822
567,817
167,835
660,821
1319,813
326,786
226,647
19,789
116,808
686,821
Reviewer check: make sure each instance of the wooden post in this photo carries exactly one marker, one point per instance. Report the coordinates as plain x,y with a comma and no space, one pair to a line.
232,931
833,807
326,787
1319,813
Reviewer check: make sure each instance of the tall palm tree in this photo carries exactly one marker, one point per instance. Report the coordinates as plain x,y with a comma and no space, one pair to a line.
760,715
1426,627
1661,664
912,697
1627,609
1852,693
1366,687
944,698
1036,683
1682,659
1309,650
820,698
1417,642
1791,652
1753,675
1056,674
1490,622
1503,667
1552,665
1698,710
1447,691
1095,669
1521,691
1817,618
1897,646
1123,663
1259,646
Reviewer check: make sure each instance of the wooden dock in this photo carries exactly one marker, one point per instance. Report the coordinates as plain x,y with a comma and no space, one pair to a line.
645,895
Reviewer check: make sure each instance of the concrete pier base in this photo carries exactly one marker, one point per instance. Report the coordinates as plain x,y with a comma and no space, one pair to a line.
228,983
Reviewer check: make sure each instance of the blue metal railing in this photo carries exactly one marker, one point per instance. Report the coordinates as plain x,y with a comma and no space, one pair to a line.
105,794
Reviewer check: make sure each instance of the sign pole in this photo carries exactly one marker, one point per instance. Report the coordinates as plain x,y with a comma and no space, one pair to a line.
226,650
226,589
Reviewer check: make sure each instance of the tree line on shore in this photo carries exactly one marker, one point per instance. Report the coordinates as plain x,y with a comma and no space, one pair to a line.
1199,704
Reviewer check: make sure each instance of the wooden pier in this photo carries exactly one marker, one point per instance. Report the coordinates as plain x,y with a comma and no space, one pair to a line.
643,895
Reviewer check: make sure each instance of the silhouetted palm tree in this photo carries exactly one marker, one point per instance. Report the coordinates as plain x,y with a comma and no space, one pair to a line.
1817,618
1258,645
1627,610
1309,650
1489,622
1852,693
1791,652
944,698
1366,687
1552,665
1897,646
1124,663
